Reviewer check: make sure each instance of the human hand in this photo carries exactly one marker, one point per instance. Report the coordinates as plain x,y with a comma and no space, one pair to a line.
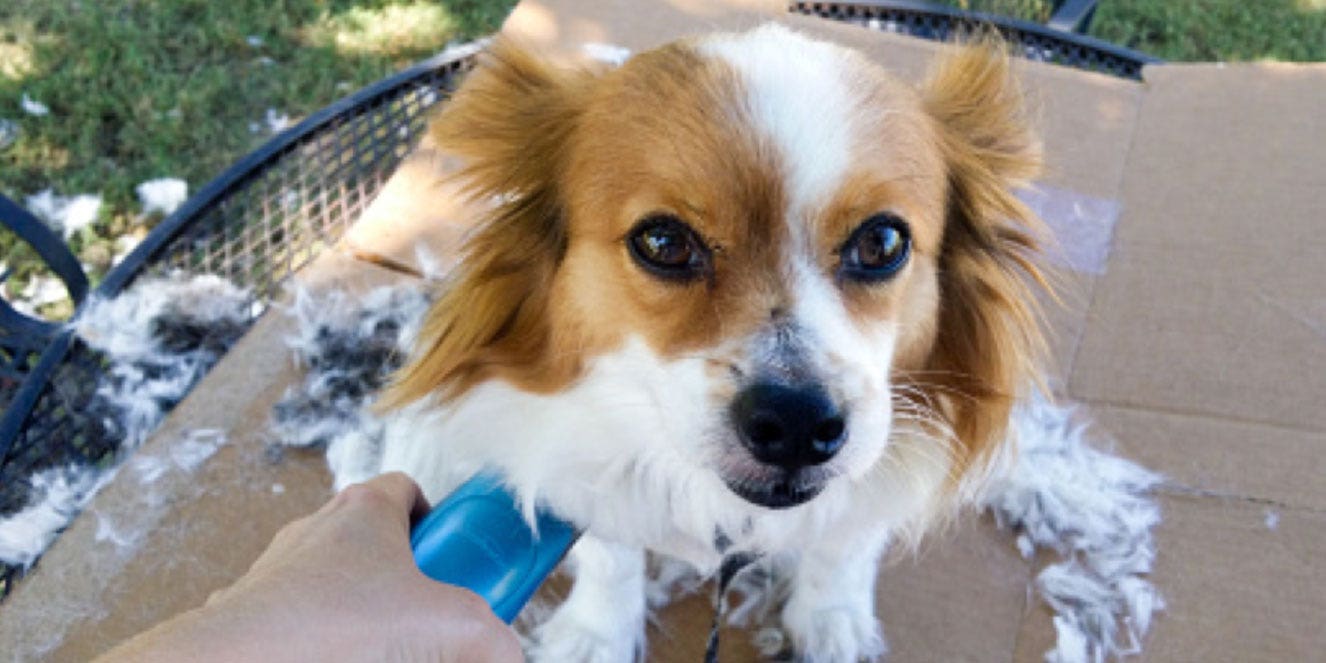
338,585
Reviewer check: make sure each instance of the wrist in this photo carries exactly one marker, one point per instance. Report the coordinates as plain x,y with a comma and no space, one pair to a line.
188,636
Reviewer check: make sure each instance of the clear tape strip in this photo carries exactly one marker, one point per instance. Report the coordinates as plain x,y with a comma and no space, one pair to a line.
1082,226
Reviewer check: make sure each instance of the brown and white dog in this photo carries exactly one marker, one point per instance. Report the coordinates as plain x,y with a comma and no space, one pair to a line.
743,293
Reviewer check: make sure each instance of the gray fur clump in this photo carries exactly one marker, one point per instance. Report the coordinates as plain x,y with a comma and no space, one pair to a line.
349,346
57,494
161,336
157,339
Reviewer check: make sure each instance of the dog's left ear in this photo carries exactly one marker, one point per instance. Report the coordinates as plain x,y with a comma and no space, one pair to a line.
509,123
990,343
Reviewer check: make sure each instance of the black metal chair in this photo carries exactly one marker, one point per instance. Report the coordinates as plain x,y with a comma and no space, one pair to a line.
1072,15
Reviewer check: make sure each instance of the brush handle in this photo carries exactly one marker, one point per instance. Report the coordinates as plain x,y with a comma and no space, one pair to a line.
477,538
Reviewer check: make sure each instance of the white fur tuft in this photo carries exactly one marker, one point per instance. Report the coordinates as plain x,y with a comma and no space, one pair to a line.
799,96
66,215
1095,510
610,54
163,195
159,337
58,494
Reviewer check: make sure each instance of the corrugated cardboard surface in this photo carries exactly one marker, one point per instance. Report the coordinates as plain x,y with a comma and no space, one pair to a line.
1205,353
1213,304
1198,343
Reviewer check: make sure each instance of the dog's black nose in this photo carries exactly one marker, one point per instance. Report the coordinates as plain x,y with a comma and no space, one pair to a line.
788,426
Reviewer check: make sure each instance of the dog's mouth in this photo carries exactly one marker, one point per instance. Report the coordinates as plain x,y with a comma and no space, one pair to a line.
785,490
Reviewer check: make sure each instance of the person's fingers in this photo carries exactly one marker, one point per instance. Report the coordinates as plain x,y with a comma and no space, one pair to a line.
402,494
403,488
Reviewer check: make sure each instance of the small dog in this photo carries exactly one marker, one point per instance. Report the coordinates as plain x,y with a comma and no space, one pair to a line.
743,293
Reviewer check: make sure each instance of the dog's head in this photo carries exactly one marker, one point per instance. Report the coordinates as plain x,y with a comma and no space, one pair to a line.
828,265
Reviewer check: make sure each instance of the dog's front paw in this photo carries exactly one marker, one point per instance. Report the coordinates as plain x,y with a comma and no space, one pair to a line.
836,634
565,638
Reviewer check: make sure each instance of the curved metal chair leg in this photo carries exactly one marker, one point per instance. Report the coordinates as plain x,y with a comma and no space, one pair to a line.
1072,15
53,252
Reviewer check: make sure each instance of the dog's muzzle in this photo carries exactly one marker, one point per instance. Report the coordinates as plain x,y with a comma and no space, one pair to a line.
788,429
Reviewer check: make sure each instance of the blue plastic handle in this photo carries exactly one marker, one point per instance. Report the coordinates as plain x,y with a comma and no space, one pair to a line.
477,538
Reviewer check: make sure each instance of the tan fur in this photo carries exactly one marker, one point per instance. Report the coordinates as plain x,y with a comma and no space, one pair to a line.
522,310
665,131
509,123
989,342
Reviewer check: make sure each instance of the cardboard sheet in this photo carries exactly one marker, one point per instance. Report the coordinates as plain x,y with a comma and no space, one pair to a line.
1241,585
1213,305
969,581
1272,465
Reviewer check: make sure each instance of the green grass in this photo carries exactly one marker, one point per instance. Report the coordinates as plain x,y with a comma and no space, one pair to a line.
140,89
1223,30
1195,30
1030,10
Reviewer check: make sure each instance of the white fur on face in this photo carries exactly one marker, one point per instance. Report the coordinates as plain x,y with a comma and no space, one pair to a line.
626,452
798,95
618,452
854,364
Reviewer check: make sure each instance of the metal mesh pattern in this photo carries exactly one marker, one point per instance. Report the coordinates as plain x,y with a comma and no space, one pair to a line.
61,430
1029,10
255,225
285,214
62,413
1035,42
18,356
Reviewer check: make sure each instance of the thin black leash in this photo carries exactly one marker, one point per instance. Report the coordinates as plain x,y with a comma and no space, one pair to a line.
732,565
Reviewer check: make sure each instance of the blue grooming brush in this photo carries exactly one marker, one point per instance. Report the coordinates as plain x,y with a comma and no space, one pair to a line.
477,538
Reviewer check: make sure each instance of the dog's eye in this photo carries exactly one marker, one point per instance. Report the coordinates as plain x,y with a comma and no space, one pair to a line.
877,250
668,248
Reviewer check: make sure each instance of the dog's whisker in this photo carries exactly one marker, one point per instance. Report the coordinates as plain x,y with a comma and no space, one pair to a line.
921,388
937,455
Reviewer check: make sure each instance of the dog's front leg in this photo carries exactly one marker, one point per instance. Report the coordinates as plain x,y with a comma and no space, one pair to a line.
603,620
830,614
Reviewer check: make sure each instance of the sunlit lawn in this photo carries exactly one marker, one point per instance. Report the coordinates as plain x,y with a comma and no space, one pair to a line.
1189,30
1229,30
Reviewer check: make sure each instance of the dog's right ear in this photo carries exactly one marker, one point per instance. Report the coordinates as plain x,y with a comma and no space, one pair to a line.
509,123
990,346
